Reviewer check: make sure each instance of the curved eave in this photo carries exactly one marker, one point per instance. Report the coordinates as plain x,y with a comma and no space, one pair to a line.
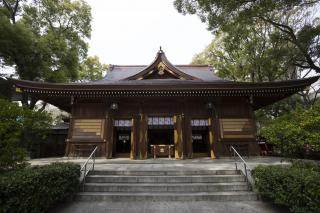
164,85
263,93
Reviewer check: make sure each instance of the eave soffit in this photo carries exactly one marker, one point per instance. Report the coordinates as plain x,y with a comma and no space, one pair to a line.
190,84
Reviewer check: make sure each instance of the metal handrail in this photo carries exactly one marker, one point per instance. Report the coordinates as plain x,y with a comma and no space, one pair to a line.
247,170
84,170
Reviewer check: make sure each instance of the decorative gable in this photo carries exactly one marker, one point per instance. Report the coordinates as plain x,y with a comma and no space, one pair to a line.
161,68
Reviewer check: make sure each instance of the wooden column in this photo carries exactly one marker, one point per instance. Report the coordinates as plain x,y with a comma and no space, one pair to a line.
134,137
143,137
188,137
69,149
211,138
178,139
109,136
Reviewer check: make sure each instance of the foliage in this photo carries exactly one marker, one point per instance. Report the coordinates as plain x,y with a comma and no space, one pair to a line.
246,54
19,129
296,187
296,21
48,41
37,189
5,89
44,39
294,131
92,69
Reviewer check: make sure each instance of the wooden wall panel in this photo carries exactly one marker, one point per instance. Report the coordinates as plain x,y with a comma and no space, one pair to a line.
89,110
235,128
235,108
88,129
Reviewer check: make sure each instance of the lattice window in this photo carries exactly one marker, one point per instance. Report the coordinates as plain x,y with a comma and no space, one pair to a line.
122,123
160,121
199,122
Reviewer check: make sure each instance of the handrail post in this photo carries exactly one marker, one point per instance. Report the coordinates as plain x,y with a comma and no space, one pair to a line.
84,176
247,179
235,160
94,160
245,166
84,168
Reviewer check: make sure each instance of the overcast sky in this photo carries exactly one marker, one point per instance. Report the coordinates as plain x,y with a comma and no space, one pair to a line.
131,32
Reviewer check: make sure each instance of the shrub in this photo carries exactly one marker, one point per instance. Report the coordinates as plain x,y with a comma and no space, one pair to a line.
296,187
19,128
37,189
295,131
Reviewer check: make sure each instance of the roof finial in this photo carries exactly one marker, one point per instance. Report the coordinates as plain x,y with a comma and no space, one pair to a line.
160,49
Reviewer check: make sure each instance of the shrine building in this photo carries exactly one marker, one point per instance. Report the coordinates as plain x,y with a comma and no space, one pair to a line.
161,110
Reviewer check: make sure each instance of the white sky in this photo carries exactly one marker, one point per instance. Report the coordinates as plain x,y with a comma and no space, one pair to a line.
130,32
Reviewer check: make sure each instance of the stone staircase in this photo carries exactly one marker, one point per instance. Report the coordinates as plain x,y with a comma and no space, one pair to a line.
169,185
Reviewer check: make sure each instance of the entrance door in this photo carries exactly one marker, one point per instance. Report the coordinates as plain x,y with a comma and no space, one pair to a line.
160,136
122,143
200,143
200,138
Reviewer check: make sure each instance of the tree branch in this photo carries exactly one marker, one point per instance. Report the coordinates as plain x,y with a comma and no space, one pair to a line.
293,39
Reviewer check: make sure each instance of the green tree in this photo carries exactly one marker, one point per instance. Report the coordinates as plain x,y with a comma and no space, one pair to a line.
92,69
254,53
293,131
44,39
297,22
249,53
20,127
49,39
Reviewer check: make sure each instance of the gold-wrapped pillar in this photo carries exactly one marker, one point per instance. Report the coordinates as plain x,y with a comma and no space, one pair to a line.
134,138
211,138
143,142
177,119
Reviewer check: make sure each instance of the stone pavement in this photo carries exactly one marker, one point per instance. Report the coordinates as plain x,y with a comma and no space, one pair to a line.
169,207
163,163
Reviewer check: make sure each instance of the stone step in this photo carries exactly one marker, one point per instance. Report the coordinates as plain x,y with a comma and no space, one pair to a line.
167,187
195,196
164,172
164,179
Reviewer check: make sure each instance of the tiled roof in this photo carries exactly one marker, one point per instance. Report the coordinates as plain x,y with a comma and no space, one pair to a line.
118,72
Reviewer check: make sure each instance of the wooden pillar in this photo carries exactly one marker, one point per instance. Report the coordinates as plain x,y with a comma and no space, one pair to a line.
134,137
143,142
69,149
188,137
178,139
109,136
211,138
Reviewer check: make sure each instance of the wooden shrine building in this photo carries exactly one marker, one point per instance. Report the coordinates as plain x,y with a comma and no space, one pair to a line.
180,111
